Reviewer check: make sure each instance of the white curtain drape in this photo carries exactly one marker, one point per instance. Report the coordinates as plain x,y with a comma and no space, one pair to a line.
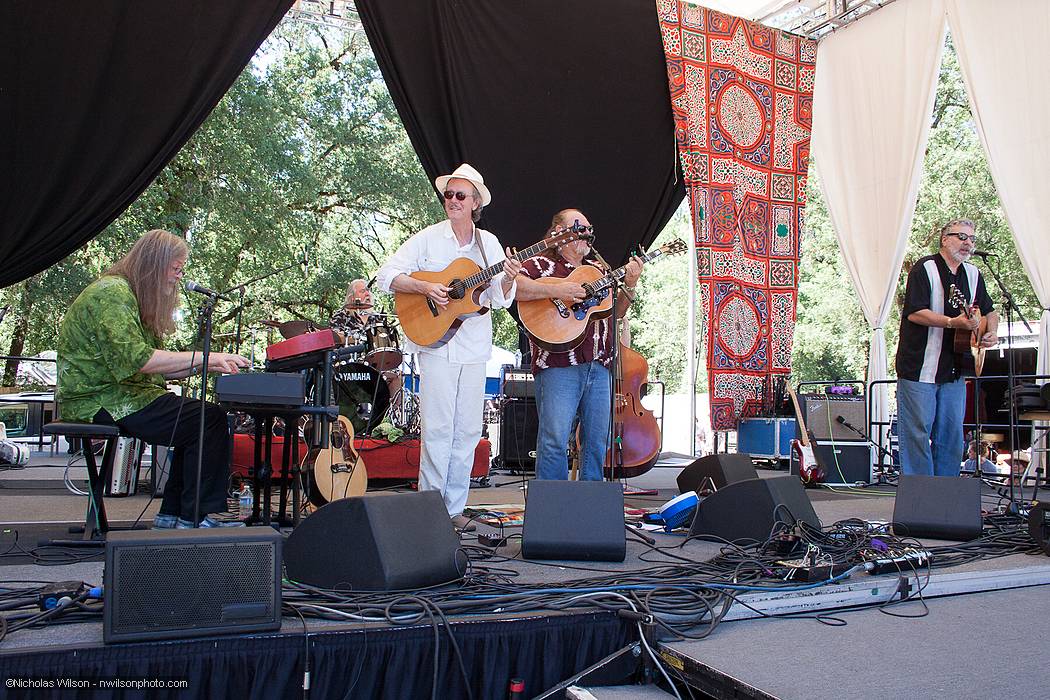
873,97
1004,54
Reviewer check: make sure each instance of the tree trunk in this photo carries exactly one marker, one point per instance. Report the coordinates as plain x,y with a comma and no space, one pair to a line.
18,335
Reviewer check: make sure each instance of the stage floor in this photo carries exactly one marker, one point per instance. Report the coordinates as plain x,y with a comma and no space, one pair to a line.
994,607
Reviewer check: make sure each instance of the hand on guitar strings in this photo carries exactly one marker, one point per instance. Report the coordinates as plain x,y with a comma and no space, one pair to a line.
570,292
437,292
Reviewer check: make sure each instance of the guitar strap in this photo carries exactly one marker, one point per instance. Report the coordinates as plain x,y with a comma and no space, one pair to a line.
484,258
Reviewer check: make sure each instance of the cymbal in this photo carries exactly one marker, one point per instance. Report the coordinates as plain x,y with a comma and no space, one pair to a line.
290,329
359,305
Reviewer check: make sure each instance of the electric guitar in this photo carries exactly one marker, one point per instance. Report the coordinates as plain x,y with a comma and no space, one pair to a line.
809,469
427,324
337,472
969,343
559,327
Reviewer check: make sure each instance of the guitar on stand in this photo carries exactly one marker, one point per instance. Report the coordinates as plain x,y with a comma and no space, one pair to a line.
429,325
559,327
337,471
809,469
969,343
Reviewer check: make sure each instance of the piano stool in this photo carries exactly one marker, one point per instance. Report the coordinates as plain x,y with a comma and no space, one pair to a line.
96,525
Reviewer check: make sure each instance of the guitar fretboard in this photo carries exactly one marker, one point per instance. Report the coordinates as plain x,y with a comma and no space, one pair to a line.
482,276
603,283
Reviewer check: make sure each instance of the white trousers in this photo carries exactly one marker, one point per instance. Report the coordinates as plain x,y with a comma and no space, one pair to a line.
451,405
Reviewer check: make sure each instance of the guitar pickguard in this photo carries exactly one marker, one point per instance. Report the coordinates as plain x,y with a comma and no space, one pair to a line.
579,309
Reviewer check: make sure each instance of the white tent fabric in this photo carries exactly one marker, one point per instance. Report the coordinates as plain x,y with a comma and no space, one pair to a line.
870,125
1004,54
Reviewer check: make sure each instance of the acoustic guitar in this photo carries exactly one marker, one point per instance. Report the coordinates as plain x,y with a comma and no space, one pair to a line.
336,472
809,469
427,324
560,327
969,343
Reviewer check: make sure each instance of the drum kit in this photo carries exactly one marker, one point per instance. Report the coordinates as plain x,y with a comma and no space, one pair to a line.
369,386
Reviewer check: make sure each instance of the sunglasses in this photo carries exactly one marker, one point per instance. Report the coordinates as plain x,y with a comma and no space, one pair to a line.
449,194
964,236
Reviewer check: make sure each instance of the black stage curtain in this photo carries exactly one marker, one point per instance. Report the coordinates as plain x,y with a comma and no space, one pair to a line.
95,99
558,104
363,663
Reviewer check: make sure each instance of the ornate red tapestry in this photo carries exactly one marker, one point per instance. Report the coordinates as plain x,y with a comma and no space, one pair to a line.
742,96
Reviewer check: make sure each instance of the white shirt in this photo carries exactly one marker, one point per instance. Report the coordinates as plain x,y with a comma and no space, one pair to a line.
431,250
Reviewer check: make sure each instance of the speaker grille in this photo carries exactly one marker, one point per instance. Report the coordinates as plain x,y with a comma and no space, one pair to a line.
210,578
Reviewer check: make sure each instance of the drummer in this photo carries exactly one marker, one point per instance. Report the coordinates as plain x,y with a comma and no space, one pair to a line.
353,317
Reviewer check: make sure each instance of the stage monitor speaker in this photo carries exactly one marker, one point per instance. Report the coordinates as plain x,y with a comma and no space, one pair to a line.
574,521
168,584
748,510
722,469
819,409
518,423
938,507
375,542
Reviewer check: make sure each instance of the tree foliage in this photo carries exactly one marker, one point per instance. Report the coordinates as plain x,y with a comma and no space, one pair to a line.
304,152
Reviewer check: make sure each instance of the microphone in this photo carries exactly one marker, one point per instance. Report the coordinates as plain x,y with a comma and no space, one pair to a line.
983,254
192,286
840,420
370,283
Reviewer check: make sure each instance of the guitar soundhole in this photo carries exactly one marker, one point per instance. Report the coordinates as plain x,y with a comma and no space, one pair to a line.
337,439
456,289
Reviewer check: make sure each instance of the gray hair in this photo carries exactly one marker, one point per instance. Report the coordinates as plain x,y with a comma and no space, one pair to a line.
475,215
958,222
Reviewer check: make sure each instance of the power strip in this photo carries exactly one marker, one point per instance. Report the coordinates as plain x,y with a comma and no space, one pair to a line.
906,561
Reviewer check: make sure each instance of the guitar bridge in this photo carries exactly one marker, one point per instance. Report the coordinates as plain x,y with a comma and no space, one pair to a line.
563,310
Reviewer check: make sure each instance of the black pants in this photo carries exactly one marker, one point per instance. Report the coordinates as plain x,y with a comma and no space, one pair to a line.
156,425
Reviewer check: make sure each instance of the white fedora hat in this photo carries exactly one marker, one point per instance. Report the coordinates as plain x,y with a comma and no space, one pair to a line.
466,172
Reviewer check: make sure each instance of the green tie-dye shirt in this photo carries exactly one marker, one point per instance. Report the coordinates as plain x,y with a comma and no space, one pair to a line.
102,344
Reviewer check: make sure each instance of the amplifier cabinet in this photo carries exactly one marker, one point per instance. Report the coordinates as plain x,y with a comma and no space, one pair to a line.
845,463
518,425
821,410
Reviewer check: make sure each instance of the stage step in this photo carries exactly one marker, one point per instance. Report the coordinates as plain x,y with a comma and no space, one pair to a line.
617,692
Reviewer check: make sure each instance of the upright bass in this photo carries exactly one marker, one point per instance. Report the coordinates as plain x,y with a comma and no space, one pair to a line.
636,433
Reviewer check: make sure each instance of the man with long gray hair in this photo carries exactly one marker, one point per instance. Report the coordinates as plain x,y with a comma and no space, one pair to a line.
112,370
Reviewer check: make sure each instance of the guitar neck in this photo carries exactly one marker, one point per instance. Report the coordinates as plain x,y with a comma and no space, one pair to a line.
803,433
482,276
603,283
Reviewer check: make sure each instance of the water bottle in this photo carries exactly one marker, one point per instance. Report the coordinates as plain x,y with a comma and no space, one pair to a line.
244,502
517,358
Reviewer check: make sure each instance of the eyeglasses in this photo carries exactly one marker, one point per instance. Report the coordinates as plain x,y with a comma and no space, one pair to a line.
177,269
449,194
964,236
583,229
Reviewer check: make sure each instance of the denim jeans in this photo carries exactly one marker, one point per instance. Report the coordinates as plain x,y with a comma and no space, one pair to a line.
930,425
562,393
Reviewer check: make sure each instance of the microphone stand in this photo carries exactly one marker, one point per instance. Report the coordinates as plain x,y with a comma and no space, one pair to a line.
1011,306
613,441
239,288
206,309
841,420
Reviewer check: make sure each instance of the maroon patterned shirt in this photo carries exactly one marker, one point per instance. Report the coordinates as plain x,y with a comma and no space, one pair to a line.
596,344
